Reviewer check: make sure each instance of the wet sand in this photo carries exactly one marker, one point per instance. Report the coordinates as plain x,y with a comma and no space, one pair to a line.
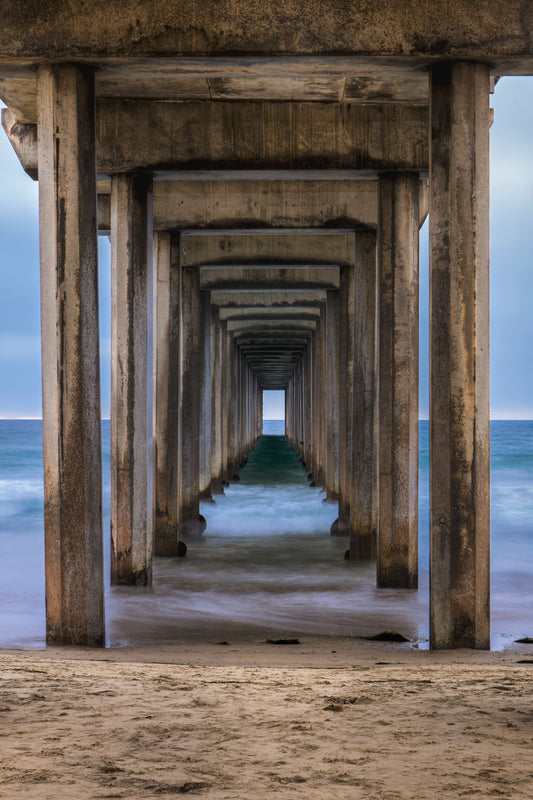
329,718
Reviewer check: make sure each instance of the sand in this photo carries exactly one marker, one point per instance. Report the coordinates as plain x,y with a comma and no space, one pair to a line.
330,718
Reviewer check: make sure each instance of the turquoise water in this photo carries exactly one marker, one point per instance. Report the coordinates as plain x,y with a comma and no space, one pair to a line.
267,564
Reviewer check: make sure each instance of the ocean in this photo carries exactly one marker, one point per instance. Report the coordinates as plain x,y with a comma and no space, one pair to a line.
267,565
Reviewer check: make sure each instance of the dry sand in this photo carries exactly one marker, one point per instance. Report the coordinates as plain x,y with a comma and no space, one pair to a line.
330,718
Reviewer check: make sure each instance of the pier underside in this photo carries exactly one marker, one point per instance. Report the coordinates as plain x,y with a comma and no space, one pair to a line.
262,172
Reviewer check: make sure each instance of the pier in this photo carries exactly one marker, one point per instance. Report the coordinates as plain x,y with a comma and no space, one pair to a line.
262,173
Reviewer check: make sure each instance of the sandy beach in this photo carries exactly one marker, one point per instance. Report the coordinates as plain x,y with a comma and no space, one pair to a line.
328,718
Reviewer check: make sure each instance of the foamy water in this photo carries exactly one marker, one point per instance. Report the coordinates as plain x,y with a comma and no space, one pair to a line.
267,565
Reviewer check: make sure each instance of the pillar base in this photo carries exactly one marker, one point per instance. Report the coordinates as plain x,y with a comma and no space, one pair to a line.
397,577
363,547
193,527
166,540
206,496
337,530
216,486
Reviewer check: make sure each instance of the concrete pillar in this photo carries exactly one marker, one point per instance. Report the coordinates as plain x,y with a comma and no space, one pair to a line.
459,410
322,399
191,523
259,415
231,406
259,430
315,415
167,392
240,411
398,381
205,397
131,380
288,410
301,407
332,395
216,403
364,496
225,390
70,356
308,405
346,370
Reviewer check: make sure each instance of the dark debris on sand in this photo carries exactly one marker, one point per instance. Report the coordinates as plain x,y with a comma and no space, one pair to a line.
386,636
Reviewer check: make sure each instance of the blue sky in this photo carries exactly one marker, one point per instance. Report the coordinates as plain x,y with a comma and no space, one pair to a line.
511,274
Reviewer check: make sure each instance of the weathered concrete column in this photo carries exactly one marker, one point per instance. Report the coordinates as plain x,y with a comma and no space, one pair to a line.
316,389
322,398
332,395
459,410
191,522
259,412
364,497
296,406
308,405
346,371
167,392
205,397
259,429
131,380
398,381
231,406
288,410
225,390
301,407
240,406
216,403
70,356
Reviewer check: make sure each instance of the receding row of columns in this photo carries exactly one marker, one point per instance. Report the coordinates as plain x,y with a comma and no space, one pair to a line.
376,388
208,414
330,400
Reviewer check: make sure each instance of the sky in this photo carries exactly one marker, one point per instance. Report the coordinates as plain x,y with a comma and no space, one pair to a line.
511,275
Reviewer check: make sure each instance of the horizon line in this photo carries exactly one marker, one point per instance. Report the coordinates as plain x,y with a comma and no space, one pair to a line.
265,419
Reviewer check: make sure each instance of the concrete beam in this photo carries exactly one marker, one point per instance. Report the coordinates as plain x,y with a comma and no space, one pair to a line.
153,135
259,247
273,326
254,313
401,30
265,278
291,298
261,202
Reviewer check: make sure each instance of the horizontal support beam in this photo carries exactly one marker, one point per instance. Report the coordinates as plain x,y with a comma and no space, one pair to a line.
253,314
298,334
291,298
267,203
273,348
303,203
274,326
152,135
403,31
257,247
239,278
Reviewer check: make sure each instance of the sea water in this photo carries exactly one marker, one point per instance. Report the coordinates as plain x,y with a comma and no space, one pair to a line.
267,564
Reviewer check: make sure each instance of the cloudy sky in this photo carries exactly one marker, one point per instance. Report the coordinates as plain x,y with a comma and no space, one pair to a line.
511,274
